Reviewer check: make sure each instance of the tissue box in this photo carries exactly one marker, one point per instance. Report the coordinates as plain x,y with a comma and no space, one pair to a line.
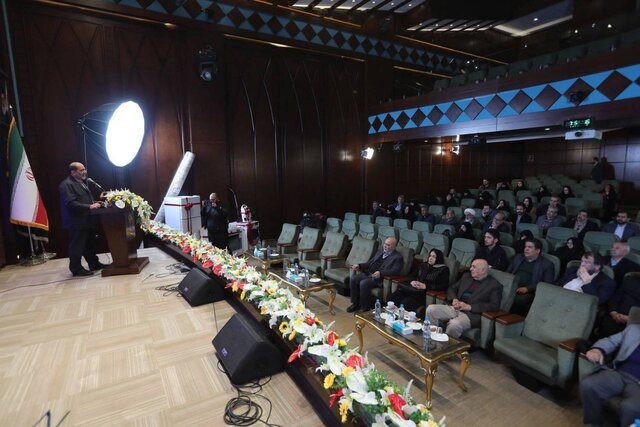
401,328
183,213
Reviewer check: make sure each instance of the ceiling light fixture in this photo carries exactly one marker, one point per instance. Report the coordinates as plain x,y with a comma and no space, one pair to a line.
535,19
609,26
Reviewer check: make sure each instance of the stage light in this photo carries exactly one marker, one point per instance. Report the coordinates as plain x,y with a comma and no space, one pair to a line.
455,150
367,153
116,129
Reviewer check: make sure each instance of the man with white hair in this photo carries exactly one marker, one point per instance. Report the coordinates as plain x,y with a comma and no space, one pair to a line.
618,262
470,217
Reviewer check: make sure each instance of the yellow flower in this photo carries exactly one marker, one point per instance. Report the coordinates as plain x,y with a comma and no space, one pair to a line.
342,343
271,291
234,288
263,310
328,381
292,335
432,423
344,409
300,308
283,327
243,294
347,370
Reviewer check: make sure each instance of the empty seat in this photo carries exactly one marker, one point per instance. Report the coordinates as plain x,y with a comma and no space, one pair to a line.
339,270
440,85
458,80
351,215
288,238
350,228
519,67
630,38
555,261
335,244
535,229
509,251
411,239
434,241
402,223
334,225
497,72
574,205
436,210
557,235
448,230
468,203
543,61
422,226
634,244
368,231
383,220
463,250
477,76
597,241
362,219
311,238
385,231
506,239
570,54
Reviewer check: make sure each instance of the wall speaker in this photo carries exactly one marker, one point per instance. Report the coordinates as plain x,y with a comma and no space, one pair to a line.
245,352
198,288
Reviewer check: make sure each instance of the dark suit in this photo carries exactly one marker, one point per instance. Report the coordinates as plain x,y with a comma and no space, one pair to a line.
601,286
626,297
75,201
524,219
623,267
543,210
497,257
543,271
630,230
217,224
362,283
486,298
589,226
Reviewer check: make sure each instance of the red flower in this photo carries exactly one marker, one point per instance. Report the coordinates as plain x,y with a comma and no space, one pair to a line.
186,249
295,354
335,396
195,258
397,402
207,264
241,285
230,284
355,361
332,337
217,269
310,320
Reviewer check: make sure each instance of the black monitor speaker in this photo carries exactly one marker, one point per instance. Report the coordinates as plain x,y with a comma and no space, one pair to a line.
245,353
198,288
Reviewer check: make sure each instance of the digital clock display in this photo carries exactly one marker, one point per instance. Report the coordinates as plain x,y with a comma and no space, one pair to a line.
578,123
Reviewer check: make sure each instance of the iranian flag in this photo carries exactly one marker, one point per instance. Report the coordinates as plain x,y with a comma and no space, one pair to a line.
27,208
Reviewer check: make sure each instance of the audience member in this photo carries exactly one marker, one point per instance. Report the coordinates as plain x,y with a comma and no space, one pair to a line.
554,202
491,251
409,212
531,268
370,274
432,274
581,224
449,218
502,205
529,206
498,223
542,192
470,217
566,193
622,379
550,219
483,198
609,202
475,293
376,210
465,231
425,216
518,245
519,187
521,216
620,264
627,296
396,210
621,227
502,186
572,250
486,185
596,171
589,278
487,213
450,200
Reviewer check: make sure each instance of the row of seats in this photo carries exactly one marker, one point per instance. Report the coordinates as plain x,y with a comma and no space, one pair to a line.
546,60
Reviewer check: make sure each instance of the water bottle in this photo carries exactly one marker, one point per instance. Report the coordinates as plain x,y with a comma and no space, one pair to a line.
377,308
268,252
296,267
285,267
426,329
306,277
401,313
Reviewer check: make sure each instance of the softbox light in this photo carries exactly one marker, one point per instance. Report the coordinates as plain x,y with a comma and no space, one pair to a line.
118,128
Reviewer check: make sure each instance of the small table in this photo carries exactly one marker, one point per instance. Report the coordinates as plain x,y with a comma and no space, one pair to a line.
414,344
305,291
265,264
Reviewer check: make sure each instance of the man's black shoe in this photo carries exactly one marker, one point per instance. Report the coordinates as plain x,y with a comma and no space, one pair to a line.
99,266
83,272
353,308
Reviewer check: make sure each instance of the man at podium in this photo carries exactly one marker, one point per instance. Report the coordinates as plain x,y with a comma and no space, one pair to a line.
76,200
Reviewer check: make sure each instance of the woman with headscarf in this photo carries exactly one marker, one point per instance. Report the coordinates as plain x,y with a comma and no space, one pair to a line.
518,245
432,274
572,250
519,187
529,207
465,231
543,191
566,193
502,205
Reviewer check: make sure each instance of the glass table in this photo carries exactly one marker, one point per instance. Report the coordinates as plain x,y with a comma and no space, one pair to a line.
430,355
264,263
305,291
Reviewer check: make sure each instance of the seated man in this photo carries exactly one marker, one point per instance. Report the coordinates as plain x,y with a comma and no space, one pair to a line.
521,217
387,262
622,379
475,293
619,263
589,278
621,227
449,218
554,202
497,223
627,296
530,268
492,252
425,216
396,210
487,213
470,217
376,210
581,224
548,220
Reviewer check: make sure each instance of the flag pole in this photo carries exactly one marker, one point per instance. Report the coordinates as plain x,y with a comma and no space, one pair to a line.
32,260
45,254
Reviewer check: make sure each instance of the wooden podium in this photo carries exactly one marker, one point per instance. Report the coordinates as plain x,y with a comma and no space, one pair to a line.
123,237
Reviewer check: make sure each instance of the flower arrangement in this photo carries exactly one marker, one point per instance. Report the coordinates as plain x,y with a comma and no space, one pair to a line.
350,378
124,197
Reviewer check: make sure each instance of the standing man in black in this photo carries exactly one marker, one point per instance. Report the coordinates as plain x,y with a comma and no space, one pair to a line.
76,201
214,218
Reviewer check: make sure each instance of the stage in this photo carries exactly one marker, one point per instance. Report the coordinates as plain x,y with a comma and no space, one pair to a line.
116,351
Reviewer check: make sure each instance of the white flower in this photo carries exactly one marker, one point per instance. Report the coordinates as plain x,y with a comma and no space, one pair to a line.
120,204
